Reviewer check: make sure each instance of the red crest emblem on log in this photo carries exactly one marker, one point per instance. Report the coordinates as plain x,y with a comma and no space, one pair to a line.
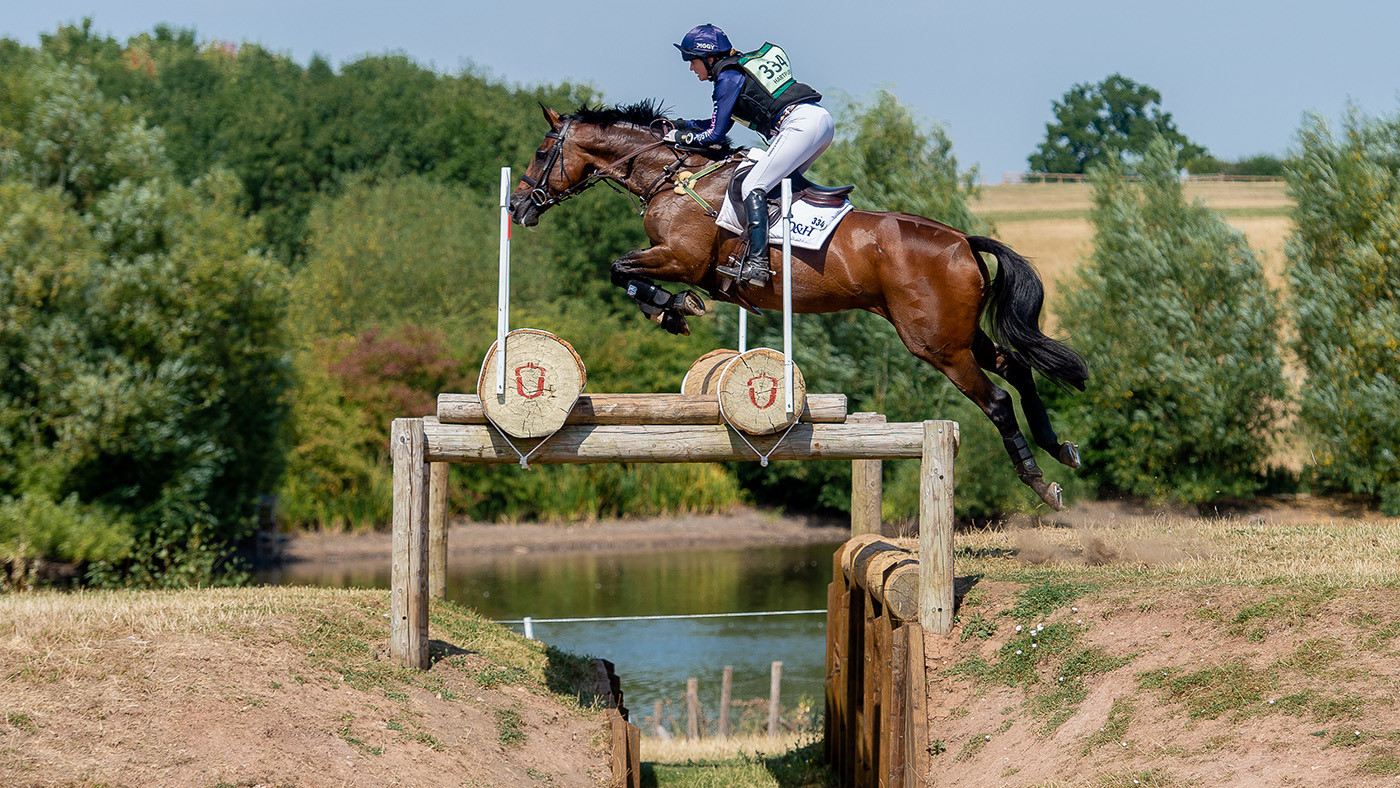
529,380
762,385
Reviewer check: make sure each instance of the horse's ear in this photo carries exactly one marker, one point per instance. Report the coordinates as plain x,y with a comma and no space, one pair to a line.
553,117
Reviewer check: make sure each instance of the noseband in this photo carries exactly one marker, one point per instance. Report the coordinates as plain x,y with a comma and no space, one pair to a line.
538,195
539,189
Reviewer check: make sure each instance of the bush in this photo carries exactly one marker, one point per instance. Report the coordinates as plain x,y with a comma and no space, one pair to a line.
1181,330
1344,276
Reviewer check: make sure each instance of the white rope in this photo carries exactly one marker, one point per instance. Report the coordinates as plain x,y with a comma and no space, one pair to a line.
762,456
657,618
524,458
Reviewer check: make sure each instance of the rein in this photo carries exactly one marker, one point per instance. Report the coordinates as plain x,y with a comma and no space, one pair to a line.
540,193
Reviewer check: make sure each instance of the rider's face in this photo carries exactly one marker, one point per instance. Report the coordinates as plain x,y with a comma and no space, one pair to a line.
698,67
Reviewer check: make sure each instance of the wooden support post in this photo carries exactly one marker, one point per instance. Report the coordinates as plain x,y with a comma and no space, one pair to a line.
775,684
895,706
866,485
726,696
437,530
692,709
936,526
408,601
918,759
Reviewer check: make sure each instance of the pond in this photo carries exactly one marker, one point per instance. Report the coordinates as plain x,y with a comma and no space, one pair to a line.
654,658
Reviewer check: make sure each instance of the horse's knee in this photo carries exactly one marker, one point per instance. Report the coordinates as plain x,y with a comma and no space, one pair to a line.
620,273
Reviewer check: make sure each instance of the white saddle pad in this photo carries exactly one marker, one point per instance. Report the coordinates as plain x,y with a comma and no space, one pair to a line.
811,226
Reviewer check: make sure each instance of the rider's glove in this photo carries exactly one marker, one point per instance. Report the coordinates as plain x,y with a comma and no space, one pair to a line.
687,138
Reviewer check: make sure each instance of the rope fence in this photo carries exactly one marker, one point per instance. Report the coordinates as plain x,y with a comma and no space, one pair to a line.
530,622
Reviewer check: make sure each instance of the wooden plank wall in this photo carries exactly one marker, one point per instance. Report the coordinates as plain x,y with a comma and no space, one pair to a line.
876,690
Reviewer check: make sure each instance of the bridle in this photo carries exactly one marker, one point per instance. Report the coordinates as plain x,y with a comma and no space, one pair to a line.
540,191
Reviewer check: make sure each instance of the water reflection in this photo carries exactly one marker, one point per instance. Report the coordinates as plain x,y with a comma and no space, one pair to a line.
654,658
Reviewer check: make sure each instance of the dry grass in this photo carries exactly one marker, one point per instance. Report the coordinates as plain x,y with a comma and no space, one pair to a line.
1048,222
1324,551
656,750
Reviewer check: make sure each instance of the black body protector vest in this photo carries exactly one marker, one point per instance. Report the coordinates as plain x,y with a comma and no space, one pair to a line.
768,88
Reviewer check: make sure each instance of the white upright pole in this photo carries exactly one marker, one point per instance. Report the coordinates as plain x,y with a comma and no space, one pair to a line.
503,285
787,293
743,330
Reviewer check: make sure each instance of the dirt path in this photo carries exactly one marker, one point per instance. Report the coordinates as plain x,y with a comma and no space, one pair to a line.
467,539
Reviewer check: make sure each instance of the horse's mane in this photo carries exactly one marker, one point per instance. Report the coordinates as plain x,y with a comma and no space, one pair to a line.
642,113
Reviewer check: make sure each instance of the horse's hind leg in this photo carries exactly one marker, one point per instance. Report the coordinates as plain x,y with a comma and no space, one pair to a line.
962,369
997,359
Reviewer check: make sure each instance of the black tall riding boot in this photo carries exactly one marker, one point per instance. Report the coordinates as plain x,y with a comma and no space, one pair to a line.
755,267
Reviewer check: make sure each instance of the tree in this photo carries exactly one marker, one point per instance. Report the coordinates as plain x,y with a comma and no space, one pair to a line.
1344,276
144,372
1175,318
1114,120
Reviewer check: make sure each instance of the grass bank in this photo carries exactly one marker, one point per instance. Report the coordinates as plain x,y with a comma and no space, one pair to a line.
280,687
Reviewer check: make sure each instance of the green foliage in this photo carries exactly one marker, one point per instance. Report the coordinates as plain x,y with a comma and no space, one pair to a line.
1344,280
142,341
1175,318
1112,122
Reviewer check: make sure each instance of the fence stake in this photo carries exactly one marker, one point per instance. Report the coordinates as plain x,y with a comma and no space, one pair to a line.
936,526
775,684
658,726
692,709
437,530
726,693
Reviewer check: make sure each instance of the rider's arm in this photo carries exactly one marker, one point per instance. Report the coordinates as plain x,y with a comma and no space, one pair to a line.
713,131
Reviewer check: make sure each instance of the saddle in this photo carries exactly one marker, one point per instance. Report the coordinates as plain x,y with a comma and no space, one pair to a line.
803,190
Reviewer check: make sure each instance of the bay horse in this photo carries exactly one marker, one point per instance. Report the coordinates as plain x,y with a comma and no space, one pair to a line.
926,278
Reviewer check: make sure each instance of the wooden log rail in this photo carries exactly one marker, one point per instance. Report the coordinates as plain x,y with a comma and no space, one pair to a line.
641,409
876,686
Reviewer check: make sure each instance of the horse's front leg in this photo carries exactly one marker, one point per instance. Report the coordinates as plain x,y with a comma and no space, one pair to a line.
659,305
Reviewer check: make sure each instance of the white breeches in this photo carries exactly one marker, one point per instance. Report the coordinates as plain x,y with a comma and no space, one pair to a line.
803,135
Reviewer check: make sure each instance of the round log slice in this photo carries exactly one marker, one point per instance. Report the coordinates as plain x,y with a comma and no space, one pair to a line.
544,377
703,377
751,392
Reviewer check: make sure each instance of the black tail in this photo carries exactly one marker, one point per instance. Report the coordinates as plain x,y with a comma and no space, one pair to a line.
1014,307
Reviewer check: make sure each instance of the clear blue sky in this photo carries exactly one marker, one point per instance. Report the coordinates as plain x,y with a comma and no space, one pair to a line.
1237,76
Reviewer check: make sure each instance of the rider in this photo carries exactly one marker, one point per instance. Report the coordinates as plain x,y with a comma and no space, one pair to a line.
757,89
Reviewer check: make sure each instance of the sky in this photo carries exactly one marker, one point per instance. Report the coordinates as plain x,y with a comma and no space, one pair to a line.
1237,76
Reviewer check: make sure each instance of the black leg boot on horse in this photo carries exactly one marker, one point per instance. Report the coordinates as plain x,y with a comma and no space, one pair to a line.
753,269
660,306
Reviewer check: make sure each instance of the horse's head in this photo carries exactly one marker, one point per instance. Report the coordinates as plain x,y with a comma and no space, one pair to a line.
586,146
555,172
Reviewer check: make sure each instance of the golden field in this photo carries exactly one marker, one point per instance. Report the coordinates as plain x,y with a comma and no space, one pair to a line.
1049,222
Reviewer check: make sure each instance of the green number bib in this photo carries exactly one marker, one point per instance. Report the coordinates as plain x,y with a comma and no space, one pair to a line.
770,67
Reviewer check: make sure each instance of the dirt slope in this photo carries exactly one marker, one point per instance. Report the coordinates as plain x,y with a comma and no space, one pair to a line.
1149,686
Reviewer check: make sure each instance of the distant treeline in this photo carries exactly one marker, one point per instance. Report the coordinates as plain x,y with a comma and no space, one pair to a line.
222,273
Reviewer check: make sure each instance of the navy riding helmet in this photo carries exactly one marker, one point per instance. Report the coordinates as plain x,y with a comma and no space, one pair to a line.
703,41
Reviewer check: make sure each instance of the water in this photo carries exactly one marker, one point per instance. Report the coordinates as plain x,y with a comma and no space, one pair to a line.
653,658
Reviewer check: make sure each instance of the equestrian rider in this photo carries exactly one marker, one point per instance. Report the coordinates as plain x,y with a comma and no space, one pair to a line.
756,89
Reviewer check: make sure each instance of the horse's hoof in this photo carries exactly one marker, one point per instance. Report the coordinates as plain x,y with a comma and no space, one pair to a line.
1069,454
1053,496
672,322
687,302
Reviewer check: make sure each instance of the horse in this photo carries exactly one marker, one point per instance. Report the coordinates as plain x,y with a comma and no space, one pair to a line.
926,278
